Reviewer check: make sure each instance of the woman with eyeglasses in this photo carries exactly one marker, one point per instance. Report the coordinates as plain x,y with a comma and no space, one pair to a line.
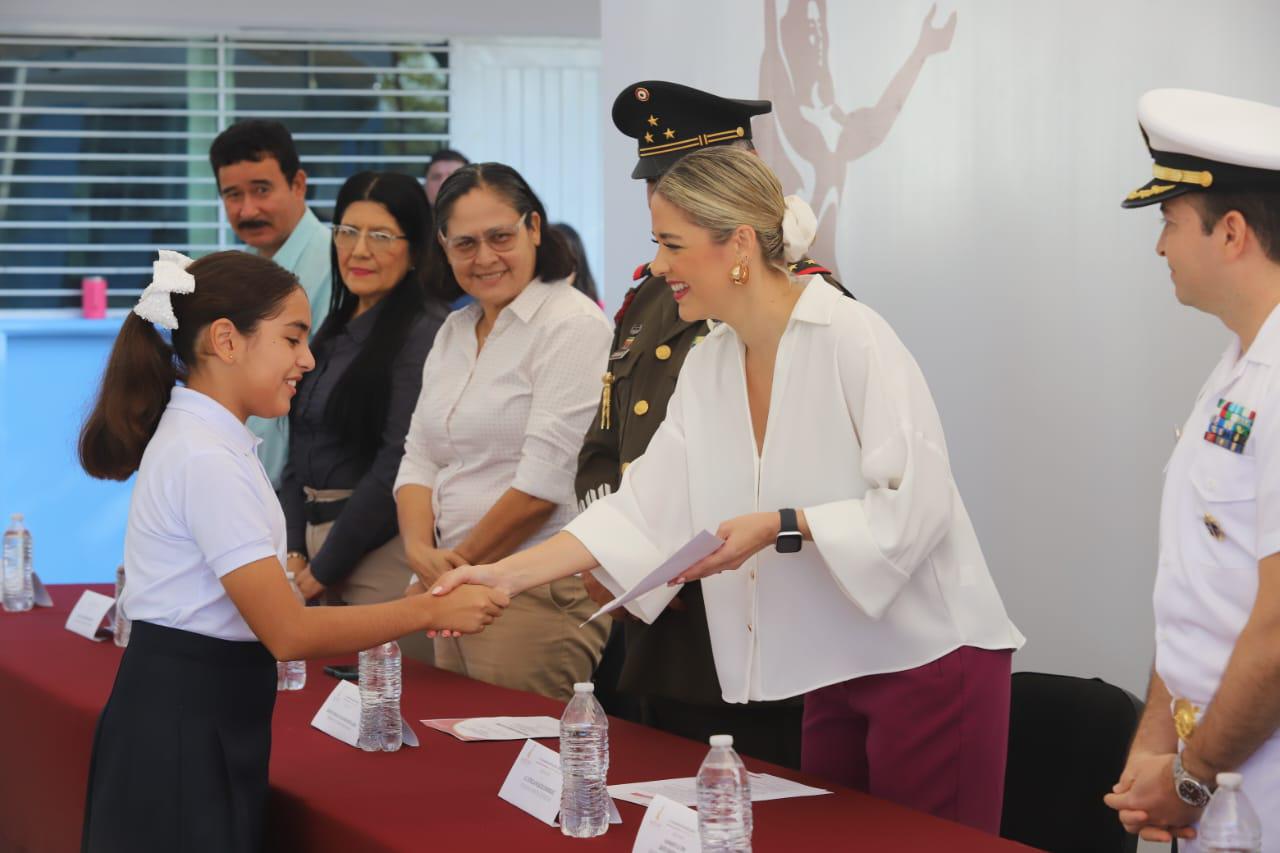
351,414
507,393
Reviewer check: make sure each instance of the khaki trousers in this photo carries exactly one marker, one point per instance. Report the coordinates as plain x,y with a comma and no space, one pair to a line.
536,644
383,574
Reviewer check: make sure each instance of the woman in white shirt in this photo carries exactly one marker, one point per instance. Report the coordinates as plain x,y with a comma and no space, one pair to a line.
181,750
507,392
802,431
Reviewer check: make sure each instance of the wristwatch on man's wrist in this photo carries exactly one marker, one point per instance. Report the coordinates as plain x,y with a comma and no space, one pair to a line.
1190,790
789,536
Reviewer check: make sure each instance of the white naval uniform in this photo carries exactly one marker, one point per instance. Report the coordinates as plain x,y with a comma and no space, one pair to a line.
1220,515
894,577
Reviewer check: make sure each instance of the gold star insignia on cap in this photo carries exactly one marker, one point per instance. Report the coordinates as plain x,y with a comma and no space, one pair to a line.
648,137
669,133
653,121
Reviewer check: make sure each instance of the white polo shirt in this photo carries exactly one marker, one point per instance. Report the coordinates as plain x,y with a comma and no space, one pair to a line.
202,507
1220,515
894,577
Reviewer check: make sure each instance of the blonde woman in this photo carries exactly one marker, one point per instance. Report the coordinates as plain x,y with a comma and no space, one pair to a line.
802,432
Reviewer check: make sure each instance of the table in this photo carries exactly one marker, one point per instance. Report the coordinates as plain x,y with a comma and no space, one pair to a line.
327,796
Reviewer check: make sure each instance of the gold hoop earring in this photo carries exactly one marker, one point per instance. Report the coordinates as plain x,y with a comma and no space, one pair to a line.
740,273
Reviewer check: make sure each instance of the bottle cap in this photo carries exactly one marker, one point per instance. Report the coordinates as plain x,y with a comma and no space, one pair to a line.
1230,780
722,740
584,687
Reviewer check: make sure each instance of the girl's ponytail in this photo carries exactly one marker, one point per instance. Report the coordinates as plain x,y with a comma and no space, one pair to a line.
135,390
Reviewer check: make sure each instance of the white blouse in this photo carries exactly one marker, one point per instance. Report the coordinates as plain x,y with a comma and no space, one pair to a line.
894,577
511,416
201,508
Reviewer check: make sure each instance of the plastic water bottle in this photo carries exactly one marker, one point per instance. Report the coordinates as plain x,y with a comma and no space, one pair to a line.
584,765
120,634
380,699
291,674
19,593
1229,824
724,799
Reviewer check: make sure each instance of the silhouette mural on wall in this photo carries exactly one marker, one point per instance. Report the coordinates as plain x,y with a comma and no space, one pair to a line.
809,139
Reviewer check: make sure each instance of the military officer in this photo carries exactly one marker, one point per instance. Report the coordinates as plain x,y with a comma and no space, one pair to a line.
1213,704
667,667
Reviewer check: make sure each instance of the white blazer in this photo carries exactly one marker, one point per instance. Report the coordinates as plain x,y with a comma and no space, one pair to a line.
894,577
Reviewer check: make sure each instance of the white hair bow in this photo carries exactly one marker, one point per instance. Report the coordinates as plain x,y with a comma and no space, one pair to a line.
799,227
168,276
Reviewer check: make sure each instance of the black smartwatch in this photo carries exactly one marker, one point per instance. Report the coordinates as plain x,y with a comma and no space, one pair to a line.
789,536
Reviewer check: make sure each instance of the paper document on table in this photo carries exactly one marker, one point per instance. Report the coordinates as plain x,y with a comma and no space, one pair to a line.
497,728
695,549
685,791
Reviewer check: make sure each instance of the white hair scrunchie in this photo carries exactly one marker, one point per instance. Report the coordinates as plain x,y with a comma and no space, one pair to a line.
168,276
799,227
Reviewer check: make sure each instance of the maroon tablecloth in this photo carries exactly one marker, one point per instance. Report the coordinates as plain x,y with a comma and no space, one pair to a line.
327,796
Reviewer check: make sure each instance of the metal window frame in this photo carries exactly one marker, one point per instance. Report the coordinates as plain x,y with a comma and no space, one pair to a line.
227,67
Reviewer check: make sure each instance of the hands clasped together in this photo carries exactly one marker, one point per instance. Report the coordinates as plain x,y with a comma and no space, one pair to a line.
1146,800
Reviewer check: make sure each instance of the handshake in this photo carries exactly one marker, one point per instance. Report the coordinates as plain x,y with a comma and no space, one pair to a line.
461,599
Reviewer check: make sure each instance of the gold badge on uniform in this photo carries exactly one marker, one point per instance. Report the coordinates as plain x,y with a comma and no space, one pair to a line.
663,352
605,403
1184,718
1215,529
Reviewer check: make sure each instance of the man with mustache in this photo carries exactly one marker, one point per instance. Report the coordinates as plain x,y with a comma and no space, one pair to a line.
264,192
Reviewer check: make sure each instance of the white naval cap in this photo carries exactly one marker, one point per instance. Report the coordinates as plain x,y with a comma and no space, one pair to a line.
1201,141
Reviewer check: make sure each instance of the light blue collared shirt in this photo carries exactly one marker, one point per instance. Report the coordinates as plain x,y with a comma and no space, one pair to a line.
306,255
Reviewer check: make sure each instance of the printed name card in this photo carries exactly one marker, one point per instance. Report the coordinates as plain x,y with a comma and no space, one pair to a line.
43,599
88,615
339,716
534,785
668,827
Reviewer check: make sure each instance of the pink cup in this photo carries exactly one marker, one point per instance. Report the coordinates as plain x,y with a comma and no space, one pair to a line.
93,297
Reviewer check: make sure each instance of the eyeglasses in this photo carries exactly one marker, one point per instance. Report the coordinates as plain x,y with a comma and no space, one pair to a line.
502,239
345,237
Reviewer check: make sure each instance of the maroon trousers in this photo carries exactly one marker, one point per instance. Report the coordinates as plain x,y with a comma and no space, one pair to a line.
933,738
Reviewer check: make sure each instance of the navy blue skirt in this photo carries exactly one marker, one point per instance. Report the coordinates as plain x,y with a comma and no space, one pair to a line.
181,750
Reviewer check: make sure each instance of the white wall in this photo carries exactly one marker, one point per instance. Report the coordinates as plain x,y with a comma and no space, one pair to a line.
381,17
987,229
537,109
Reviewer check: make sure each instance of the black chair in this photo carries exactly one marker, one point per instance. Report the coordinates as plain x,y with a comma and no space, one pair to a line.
1068,740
